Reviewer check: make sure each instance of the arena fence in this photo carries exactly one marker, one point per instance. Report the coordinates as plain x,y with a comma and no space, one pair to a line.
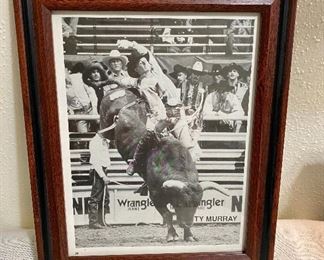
207,36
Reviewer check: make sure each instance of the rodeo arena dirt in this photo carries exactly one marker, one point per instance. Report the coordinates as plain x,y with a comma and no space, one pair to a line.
158,118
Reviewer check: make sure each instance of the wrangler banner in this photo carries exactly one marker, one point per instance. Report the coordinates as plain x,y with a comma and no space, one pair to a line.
129,208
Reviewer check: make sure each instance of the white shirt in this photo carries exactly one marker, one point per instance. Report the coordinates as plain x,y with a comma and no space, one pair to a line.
99,154
122,77
162,80
240,89
229,104
78,94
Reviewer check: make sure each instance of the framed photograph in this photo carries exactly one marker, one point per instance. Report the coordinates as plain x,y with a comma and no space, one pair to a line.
155,128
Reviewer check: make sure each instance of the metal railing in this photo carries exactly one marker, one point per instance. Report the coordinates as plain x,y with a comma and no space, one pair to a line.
90,38
225,166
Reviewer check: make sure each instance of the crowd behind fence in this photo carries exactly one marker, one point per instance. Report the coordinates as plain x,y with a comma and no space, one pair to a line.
93,36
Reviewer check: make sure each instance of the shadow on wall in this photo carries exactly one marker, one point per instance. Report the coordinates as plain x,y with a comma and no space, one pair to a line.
306,197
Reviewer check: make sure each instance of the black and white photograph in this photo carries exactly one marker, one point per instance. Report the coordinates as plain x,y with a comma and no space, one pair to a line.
155,117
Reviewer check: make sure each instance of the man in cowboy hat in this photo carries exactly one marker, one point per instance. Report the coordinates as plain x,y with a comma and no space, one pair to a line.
233,73
218,78
96,77
194,94
116,68
180,74
150,80
214,91
222,102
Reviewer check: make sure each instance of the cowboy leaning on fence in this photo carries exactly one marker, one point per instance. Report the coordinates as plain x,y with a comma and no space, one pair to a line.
81,99
222,102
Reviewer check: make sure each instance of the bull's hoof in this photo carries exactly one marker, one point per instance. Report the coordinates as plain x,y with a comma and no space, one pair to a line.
172,237
191,239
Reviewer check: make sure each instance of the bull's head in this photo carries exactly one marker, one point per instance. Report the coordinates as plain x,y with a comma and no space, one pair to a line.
186,198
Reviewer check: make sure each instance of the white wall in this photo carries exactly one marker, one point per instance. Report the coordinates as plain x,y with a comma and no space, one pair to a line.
15,197
302,190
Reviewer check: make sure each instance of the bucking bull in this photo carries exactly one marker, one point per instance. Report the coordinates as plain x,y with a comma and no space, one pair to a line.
169,172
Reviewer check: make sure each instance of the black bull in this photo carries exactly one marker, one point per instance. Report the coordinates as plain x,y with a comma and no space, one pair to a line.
170,173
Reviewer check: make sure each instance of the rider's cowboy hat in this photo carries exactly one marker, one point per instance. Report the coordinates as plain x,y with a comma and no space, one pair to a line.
115,55
94,65
179,68
197,68
133,61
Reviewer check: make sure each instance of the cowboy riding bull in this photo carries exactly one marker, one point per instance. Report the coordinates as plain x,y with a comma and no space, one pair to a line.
164,162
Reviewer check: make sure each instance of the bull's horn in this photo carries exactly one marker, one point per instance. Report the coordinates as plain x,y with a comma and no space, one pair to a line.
209,185
174,184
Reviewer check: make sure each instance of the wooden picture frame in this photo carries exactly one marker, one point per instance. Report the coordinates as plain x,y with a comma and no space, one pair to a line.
37,71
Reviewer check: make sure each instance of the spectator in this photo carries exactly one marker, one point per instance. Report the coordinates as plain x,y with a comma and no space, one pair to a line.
223,103
116,68
238,28
218,78
248,76
96,77
179,37
81,99
99,198
233,73
180,74
245,100
194,93
69,28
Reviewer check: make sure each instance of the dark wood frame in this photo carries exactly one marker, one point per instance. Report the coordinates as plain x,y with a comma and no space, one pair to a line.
36,56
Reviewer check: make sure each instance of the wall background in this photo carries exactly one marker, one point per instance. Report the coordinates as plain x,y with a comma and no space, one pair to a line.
302,184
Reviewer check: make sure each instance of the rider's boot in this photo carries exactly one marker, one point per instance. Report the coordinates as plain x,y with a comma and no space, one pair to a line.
131,167
142,147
